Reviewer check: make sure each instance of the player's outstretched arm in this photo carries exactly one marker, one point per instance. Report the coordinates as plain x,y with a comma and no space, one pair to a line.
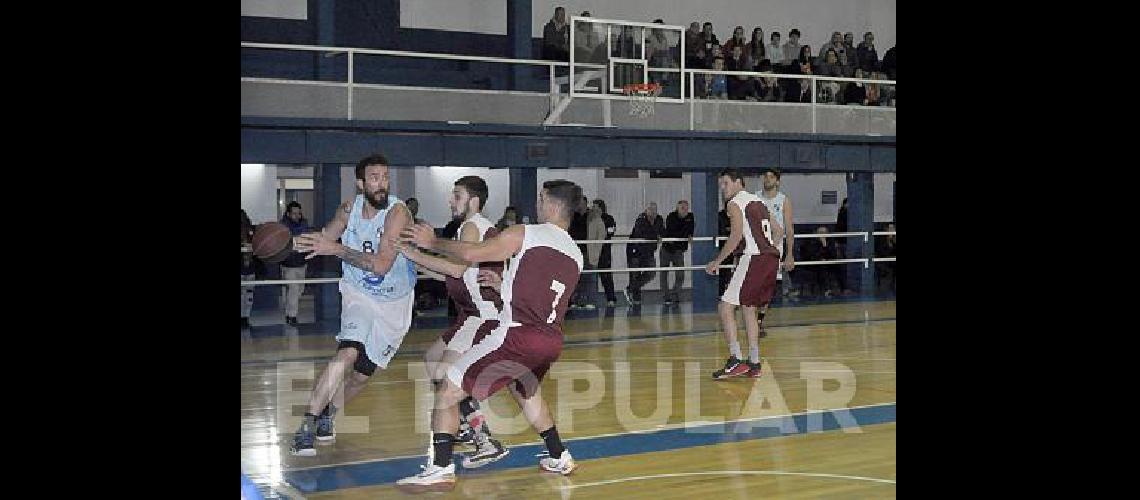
499,248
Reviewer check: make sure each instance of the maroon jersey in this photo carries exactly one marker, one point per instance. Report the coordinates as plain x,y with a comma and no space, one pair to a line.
464,290
757,224
541,278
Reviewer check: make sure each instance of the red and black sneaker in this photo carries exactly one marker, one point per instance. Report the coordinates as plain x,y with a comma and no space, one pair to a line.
753,369
733,368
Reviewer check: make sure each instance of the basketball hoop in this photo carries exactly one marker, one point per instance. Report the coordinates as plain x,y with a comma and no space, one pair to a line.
642,98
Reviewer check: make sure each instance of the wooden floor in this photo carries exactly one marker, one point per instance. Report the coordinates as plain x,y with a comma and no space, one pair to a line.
618,377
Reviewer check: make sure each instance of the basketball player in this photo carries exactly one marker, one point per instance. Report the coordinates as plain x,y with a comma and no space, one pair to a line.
478,310
537,287
780,208
376,295
754,278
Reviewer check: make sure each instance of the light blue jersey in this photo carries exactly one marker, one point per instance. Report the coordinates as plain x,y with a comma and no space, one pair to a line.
364,235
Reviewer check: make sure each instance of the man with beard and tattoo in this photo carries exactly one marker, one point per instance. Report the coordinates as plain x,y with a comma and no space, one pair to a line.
376,295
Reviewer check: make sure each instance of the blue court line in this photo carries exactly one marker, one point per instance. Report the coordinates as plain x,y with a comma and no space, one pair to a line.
652,336
382,471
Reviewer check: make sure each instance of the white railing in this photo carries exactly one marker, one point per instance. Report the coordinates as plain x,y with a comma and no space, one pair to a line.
865,261
351,82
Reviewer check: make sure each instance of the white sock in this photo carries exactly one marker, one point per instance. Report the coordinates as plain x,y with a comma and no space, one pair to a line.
754,353
734,348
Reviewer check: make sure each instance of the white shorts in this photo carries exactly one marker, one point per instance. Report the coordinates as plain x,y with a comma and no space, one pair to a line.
380,326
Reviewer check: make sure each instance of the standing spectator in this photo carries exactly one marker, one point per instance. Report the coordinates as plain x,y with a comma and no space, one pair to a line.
661,53
885,247
849,45
828,89
776,52
880,95
836,44
556,37
799,90
737,40
578,231
293,267
678,224
414,207
695,47
867,58
792,49
648,226
888,64
724,228
846,65
841,243
595,230
708,39
605,260
510,217
247,270
756,51
820,279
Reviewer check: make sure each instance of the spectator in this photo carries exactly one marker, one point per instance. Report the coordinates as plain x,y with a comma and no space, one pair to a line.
805,56
737,86
716,86
451,228
885,247
414,206
737,40
888,64
587,43
820,279
556,37
755,50
799,90
605,260
247,269
648,226
510,218
595,230
724,228
828,89
293,267
878,94
776,51
708,39
678,224
695,47
867,58
856,93
716,52
841,243
579,230
849,45
846,68
792,49
836,44
771,90
663,54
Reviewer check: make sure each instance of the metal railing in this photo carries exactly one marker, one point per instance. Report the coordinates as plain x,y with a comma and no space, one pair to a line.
554,91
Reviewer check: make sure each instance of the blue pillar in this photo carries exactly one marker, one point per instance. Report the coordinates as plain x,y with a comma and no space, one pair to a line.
326,199
324,21
524,192
860,217
706,205
519,41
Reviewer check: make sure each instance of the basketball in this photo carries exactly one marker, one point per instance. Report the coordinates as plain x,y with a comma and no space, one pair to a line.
272,242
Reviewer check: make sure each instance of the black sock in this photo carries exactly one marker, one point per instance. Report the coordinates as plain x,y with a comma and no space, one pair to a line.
441,443
553,442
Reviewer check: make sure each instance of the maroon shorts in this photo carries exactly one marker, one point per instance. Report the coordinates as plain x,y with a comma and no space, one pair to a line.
520,354
467,331
753,281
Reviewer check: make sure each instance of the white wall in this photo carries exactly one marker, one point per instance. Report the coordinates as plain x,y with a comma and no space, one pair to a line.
281,9
816,19
805,190
259,192
434,185
479,16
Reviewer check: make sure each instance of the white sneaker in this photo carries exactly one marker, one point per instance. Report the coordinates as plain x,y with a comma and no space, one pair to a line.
432,478
563,465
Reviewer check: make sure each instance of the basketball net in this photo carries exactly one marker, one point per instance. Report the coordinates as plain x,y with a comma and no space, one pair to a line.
642,98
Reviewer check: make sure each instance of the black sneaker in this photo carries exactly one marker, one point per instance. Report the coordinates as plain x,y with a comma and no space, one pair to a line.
732,368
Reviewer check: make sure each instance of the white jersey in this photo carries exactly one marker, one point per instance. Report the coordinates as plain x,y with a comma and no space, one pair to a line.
775,207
